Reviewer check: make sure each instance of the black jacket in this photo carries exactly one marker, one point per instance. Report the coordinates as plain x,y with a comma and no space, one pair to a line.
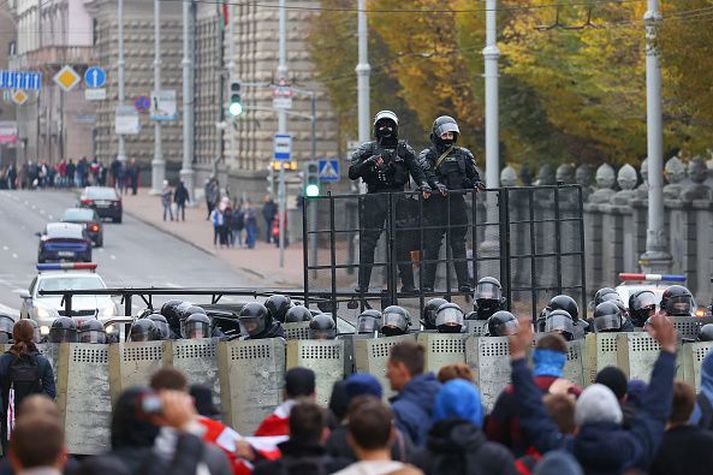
457,447
338,447
300,459
685,450
274,331
393,175
457,171
181,195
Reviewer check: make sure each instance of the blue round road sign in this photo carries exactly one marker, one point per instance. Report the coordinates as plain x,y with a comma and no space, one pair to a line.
95,77
142,103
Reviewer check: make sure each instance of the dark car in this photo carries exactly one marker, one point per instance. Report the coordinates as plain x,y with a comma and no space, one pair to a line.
90,220
64,242
105,200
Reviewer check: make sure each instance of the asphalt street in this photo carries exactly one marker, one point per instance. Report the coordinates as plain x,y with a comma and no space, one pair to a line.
134,253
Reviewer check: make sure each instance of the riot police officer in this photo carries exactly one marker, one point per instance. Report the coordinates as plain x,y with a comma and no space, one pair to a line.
447,167
322,327
384,165
278,305
502,323
63,330
298,314
560,321
91,331
488,297
368,321
605,294
429,313
705,333
144,330
608,318
449,318
642,305
256,323
197,326
677,301
162,325
395,320
7,323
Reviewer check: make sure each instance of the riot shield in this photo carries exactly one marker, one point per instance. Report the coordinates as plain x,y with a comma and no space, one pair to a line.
324,357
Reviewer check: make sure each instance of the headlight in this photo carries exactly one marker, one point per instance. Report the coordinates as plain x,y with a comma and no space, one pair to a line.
108,311
45,330
42,312
109,329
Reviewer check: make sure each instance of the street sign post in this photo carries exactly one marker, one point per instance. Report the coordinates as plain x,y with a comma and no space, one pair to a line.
282,147
329,170
67,78
127,121
95,77
27,80
282,96
163,105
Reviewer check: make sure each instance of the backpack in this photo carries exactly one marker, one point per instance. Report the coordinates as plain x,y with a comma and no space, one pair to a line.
25,377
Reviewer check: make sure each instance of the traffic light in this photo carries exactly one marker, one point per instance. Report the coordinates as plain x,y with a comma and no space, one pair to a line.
235,105
311,180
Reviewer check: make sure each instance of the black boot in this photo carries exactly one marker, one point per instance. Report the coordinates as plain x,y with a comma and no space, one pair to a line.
461,268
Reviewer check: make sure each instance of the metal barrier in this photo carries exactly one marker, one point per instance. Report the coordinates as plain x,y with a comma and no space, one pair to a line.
371,355
324,357
442,349
252,374
530,238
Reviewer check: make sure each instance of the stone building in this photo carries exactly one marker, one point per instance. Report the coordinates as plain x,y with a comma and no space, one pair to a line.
8,125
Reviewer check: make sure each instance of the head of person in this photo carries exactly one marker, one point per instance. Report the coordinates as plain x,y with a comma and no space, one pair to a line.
502,323
37,442
429,312
642,306
162,324
144,330
197,326
322,327
298,314
607,317
38,405
308,423
677,301
459,399
406,360
445,132
368,322
63,330
566,303
615,379
278,305
254,319
131,420
370,426
560,407
300,383
684,400
168,379
550,355
605,294
386,128
395,320
558,462
449,318
456,371
488,297
91,331
597,403
363,384
560,322
23,334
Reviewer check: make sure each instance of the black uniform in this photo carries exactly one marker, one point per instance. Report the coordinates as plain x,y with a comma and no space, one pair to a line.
399,163
447,167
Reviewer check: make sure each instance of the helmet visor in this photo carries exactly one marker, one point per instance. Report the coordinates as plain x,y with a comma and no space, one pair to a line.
644,300
367,324
92,336
680,305
140,334
251,326
603,323
488,291
319,334
559,323
393,321
447,127
505,328
195,330
63,335
162,329
451,317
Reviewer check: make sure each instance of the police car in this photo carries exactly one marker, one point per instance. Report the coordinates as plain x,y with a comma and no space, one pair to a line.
656,283
66,276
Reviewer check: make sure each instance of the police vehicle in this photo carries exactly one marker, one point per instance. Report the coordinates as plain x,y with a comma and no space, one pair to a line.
656,283
64,242
66,276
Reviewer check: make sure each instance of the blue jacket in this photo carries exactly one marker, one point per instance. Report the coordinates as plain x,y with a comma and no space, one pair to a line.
413,407
601,448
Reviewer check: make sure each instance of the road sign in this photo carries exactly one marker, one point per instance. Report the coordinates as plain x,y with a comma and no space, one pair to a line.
329,170
163,105
282,102
127,121
95,77
142,103
19,97
283,147
27,80
95,94
67,78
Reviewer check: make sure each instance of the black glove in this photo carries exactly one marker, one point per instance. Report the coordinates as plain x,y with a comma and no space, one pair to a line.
425,188
442,189
479,185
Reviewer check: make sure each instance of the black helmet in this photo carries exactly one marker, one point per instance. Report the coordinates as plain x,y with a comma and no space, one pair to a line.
368,321
472,315
488,297
162,325
278,305
382,117
566,303
678,301
7,323
63,330
168,309
144,330
706,332
442,124
540,320
395,320
322,327
561,322
254,319
185,310
604,294
197,326
642,305
429,313
607,317
298,314
91,331
449,318
502,323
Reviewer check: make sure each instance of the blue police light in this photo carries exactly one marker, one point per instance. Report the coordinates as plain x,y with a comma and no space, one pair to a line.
67,266
652,277
312,190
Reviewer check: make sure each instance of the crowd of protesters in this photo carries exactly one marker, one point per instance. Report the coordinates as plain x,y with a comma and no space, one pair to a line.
434,424
70,173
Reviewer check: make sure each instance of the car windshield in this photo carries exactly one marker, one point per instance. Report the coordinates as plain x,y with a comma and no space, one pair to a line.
100,193
58,231
78,214
75,282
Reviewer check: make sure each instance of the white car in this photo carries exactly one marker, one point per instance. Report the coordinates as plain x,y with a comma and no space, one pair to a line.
656,283
44,309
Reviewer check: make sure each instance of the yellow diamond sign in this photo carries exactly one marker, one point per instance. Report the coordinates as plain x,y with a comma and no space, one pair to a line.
19,97
67,78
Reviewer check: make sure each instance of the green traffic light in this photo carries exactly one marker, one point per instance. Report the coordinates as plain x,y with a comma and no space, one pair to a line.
312,190
235,109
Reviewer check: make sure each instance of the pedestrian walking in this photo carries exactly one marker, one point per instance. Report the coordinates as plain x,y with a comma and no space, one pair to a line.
115,172
269,213
238,223
211,194
181,197
133,173
166,201
228,226
250,224
216,217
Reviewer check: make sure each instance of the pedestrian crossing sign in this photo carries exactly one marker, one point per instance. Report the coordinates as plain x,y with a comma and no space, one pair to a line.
329,170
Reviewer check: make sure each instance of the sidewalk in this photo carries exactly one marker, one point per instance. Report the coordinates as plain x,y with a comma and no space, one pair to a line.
261,263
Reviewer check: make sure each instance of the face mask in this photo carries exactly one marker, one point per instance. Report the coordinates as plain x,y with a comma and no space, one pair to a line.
447,143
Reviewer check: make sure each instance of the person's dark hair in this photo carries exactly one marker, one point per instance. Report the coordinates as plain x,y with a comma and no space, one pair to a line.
411,354
129,427
307,421
455,371
560,407
615,379
299,382
370,423
23,333
203,399
339,400
38,405
25,437
684,400
552,341
169,379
